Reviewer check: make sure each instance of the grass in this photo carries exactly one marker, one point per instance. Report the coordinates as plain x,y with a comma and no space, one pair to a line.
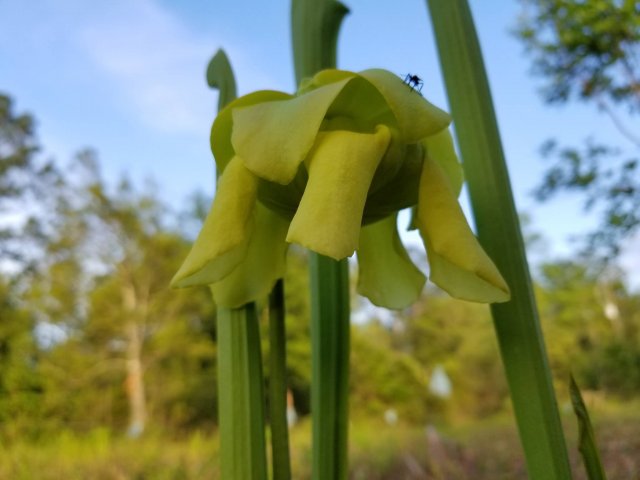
480,451
102,456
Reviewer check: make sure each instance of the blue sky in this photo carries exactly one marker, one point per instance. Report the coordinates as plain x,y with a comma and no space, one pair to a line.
126,77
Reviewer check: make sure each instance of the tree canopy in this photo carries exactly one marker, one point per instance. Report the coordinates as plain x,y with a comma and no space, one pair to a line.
589,51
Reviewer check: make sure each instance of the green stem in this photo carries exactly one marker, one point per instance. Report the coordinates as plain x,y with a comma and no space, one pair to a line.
278,385
240,379
241,397
516,322
329,282
315,28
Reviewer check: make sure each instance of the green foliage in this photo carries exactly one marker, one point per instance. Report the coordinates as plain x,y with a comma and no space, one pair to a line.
21,382
459,336
607,179
181,374
384,379
24,184
572,314
616,368
17,147
586,48
592,324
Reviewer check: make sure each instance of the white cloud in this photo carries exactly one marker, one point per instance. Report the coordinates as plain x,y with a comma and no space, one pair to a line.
145,58
156,63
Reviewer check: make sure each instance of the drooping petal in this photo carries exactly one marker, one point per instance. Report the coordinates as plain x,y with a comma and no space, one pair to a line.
416,116
386,274
223,240
440,148
263,264
341,167
223,124
458,263
273,138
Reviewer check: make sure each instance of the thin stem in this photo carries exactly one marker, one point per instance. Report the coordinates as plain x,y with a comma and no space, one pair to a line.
241,396
516,322
278,385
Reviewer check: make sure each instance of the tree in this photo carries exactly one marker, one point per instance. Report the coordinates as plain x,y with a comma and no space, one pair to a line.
24,182
91,333
592,325
20,379
573,314
589,51
156,341
131,303
459,336
104,281
385,378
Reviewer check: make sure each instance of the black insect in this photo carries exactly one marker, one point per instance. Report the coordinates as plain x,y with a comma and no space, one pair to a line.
414,81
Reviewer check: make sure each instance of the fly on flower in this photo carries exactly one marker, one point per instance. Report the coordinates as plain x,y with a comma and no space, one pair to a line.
329,168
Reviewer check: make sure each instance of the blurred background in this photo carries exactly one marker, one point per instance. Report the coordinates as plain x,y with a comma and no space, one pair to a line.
106,175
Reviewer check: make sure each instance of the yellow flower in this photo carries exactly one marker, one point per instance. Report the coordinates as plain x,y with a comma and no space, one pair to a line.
329,168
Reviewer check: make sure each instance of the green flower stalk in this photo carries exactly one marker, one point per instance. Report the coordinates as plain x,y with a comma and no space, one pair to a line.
516,323
329,168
